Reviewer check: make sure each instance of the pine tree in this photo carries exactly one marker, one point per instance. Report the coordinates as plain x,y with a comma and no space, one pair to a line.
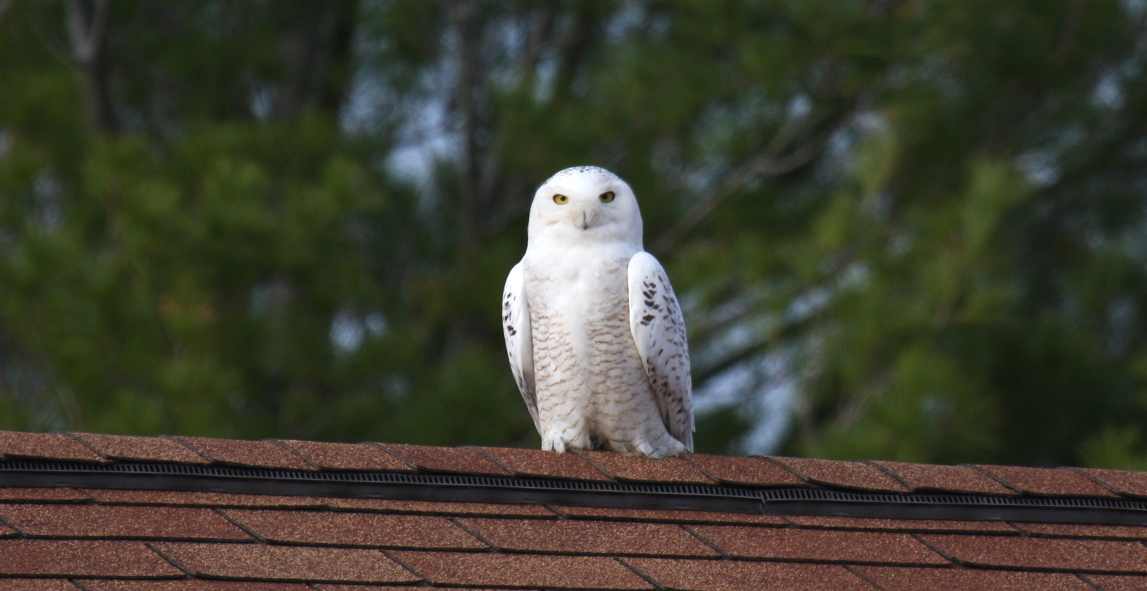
901,229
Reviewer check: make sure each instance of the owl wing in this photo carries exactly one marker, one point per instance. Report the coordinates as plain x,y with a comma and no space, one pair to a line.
659,331
519,340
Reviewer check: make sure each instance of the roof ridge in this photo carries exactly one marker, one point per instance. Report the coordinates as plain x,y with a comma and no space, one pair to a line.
188,446
977,468
295,452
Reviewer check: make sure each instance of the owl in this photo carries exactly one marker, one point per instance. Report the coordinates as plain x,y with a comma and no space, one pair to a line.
593,330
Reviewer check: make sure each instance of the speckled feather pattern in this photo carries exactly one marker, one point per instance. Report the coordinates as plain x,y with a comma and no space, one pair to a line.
593,330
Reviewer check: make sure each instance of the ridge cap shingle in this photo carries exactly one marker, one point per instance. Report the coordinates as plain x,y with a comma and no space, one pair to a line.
693,468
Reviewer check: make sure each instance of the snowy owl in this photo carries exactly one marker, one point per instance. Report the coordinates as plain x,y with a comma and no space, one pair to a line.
594,333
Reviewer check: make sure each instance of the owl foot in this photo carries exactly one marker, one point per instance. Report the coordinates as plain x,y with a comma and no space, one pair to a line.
571,438
667,447
554,444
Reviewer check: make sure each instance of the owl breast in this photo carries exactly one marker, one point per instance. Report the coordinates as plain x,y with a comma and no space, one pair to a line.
592,388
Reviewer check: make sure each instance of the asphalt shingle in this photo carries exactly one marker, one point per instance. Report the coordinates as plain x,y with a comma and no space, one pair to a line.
445,459
1116,582
843,474
925,478
667,515
965,579
906,525
440,508
151,449
290,563
588,537
198,499
536,462
108,539
1047,481
819,546
521,570
39,585
189,585
728,575
82,558
259,454
346,456
1042,553
642,470
56,446
1121,481
753,470
1073,530
120,522
42,495
356,529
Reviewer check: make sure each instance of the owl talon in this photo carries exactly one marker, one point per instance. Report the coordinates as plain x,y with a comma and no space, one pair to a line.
553,443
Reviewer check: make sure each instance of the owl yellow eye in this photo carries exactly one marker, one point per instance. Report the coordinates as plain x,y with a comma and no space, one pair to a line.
606,197
561,199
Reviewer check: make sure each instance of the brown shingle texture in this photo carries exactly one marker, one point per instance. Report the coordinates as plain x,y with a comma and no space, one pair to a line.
964,579
151,449
727,575
198,499
843,474
924,477
445,459
744,470
261,454
1117,582
643,470
53,495
1121,481
1071,530
192,585
535,462
588,537
82,558
1042,553
391,506
254,561
902,524
1047,481
522,570
46,445
37,585
818,545
667,515
342,587
356,529
346,456
96,521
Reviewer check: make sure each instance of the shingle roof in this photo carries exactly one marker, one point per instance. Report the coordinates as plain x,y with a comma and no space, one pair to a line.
116,539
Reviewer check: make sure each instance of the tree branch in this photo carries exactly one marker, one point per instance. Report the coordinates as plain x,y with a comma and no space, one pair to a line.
87,22
767,163
541,29
461,14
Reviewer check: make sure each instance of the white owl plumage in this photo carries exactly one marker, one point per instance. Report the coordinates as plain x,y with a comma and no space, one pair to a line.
593,330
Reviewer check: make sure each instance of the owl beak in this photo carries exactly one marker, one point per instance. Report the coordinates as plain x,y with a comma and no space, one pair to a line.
584,218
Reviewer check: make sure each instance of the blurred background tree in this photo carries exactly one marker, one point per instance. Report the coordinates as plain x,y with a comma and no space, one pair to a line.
901,229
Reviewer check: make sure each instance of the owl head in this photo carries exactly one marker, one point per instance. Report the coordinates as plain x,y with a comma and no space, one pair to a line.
585,204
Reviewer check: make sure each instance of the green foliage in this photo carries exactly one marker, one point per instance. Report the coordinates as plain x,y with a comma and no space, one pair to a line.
916,227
